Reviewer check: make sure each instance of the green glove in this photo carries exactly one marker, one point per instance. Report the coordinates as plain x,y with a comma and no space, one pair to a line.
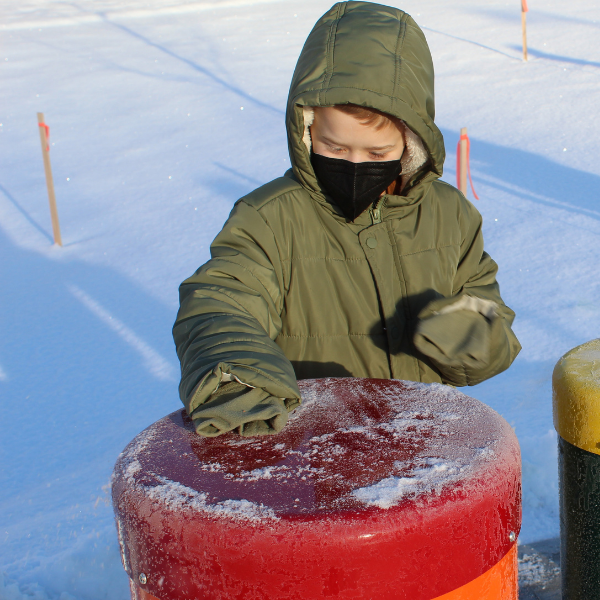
236,406
462,336
457,339
467,338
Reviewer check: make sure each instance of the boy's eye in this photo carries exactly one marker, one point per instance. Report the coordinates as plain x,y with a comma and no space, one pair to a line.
377,155
335,149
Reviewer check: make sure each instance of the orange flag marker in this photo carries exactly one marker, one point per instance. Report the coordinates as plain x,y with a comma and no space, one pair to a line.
463,166
44,137
524,11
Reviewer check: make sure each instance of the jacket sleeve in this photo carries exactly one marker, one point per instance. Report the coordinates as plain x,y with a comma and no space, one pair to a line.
468,336
229,315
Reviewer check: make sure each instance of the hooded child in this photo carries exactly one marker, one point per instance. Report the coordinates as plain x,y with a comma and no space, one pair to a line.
359,261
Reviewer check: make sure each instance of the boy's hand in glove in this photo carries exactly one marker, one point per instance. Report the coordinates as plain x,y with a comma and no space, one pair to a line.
234,405
462,337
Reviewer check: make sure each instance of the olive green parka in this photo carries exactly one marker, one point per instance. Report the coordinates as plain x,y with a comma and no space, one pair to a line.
293,290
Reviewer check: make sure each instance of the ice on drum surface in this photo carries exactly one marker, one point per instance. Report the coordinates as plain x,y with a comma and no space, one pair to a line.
372,483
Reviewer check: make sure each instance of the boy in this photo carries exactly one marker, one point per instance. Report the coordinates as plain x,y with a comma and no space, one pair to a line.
356,263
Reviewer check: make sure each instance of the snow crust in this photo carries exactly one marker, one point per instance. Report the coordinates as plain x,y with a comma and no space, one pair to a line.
367,449
179,497
534,569
425,479
435,412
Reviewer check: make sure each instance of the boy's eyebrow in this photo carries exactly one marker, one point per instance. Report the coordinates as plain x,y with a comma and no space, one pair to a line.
330,141
388,147
379,148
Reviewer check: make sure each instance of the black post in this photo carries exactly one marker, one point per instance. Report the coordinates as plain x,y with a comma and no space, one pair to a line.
579,479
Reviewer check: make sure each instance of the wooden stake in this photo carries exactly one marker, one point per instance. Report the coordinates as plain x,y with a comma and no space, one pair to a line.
49,180
524,10
462,177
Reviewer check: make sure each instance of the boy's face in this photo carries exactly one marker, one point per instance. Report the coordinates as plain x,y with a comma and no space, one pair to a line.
338,135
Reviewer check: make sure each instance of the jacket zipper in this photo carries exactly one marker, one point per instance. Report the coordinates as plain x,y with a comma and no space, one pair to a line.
376,211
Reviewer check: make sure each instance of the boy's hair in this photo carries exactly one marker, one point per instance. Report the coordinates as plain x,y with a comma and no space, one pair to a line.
369,116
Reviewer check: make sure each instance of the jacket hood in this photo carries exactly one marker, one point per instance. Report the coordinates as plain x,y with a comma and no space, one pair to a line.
370,55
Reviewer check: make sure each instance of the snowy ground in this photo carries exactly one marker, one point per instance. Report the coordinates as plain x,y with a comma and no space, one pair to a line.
163,113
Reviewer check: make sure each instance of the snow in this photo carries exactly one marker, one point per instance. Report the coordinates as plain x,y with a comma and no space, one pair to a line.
161,114
533,569
426,479
434,411
179,497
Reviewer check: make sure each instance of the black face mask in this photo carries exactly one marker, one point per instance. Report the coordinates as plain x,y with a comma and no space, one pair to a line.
354,186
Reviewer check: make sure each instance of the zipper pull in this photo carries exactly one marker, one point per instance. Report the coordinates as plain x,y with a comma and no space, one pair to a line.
376,212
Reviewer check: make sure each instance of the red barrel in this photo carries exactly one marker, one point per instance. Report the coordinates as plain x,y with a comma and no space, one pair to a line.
375,489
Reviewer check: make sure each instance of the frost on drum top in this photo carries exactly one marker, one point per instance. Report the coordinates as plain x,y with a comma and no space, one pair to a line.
352,444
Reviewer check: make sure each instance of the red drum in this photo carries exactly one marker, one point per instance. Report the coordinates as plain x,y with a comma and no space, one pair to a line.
375,489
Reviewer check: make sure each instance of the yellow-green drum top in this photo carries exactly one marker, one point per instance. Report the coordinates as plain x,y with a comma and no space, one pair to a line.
576,395
576,408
